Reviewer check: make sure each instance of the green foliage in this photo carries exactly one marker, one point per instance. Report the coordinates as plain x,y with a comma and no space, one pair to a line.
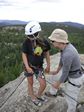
11,39
76,35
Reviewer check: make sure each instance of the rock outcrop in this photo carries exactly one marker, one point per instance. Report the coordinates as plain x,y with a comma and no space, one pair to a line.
14,97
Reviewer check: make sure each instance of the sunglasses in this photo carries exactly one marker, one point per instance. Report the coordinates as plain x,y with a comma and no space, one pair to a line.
34,36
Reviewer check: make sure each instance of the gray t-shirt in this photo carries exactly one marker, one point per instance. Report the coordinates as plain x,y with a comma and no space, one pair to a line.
70,62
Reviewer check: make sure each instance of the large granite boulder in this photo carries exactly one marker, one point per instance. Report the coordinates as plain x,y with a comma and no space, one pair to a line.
14,97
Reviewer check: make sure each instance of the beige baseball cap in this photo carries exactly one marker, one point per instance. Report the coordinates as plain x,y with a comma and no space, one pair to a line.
59,35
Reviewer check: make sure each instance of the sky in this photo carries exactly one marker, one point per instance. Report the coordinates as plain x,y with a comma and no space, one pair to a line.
43,10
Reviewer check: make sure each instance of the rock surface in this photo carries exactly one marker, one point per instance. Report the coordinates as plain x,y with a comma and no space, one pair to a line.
14,97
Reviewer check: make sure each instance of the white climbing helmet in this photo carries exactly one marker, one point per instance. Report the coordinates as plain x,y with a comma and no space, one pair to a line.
32,27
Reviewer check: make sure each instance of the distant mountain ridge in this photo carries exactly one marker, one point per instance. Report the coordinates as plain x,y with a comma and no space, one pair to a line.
18,22
12,22
74,24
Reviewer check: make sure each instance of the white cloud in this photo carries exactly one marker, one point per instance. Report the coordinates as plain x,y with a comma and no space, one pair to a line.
43,10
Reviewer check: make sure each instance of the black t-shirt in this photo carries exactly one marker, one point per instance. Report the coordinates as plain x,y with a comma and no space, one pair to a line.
28,48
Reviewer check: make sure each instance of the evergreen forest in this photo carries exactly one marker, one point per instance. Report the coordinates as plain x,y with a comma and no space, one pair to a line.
11,39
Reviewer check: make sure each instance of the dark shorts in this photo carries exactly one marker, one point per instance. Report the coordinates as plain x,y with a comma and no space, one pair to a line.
38,72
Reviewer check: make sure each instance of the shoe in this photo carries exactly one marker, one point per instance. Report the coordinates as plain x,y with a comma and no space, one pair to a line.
60,93
50,95
43,99
37,102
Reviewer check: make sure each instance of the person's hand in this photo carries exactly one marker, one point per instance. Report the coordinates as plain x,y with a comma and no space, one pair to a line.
29,70
56,85
47,69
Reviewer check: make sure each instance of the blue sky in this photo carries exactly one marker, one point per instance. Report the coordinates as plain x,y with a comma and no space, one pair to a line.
43,10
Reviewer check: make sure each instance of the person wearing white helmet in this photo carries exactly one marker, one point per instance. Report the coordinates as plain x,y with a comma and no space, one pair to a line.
34,50
71,68
32,28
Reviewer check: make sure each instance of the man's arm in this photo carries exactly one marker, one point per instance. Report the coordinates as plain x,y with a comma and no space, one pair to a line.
54,72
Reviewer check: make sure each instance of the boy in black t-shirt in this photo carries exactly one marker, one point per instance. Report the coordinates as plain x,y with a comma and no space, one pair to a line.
33,52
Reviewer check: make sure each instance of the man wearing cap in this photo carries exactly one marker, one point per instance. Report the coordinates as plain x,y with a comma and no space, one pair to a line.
71,67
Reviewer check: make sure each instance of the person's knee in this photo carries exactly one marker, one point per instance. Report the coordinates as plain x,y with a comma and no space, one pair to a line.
43,84
30,81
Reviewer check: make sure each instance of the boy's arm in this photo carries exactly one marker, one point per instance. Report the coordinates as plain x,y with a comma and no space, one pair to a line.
58,68
25,61
47,56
